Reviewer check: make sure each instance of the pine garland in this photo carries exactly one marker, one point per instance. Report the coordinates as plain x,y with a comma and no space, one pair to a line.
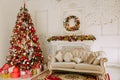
71,38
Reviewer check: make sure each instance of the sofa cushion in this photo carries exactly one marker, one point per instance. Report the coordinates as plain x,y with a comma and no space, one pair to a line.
68,57
85,66
77,60
90,58
59,56
76,53
97,60
63,65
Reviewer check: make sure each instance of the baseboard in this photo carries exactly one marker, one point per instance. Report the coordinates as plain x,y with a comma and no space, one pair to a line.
113,65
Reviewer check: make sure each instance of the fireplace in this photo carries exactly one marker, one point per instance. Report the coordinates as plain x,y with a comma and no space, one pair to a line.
58,45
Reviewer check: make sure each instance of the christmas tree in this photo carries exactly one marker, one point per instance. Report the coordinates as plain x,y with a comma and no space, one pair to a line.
25,51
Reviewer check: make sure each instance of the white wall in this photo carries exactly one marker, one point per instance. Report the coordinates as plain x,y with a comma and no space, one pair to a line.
2,39
98,17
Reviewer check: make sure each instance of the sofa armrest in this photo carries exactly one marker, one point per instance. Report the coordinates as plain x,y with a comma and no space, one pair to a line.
102,64
103,60
51,60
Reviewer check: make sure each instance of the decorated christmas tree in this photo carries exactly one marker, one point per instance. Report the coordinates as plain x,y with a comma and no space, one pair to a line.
25,51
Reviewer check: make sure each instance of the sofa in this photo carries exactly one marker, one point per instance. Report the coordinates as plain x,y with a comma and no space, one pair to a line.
78,60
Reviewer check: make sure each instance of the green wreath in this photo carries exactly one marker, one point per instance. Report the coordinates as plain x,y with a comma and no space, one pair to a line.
76,23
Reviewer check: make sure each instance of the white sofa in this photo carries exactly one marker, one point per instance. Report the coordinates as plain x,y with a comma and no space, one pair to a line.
78,60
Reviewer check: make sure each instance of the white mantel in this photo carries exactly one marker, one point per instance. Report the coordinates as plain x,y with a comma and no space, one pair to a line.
57,45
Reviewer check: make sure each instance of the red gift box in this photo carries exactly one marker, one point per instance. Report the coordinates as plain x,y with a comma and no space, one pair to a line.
15,73
28,74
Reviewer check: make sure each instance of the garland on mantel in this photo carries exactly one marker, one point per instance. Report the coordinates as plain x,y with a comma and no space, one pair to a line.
71,38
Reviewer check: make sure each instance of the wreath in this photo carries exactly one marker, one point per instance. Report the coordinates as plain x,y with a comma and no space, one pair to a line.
75,26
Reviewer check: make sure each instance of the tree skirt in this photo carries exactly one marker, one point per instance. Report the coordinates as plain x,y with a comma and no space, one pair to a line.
65,76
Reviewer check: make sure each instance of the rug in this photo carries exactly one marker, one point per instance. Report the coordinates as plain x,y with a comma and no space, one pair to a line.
64,76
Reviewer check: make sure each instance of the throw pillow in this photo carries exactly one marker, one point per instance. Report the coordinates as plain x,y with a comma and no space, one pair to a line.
59,56
75,52
68,56
91,58
97,60
77,60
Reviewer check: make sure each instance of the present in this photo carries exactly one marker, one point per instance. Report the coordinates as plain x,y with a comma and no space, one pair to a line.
5,75
26,74
15,73
5,67
38,70
1,71
22,73
10,69
42,67
34,71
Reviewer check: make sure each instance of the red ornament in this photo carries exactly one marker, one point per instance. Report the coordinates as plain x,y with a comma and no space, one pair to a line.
32,30
11,42
37,65
35,38
23,58
20,23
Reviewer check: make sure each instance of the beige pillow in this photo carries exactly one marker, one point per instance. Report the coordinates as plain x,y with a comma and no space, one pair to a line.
68,56
97,60
77,60
91,58
59,56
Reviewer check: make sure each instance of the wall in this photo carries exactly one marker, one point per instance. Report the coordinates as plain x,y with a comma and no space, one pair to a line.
2,40
98,17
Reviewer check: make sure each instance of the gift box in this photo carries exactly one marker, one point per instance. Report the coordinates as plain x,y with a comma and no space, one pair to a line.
38,70
34,71
26,74
15,73
42,67
5,75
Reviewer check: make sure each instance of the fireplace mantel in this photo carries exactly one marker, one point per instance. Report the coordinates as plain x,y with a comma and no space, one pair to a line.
57,45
